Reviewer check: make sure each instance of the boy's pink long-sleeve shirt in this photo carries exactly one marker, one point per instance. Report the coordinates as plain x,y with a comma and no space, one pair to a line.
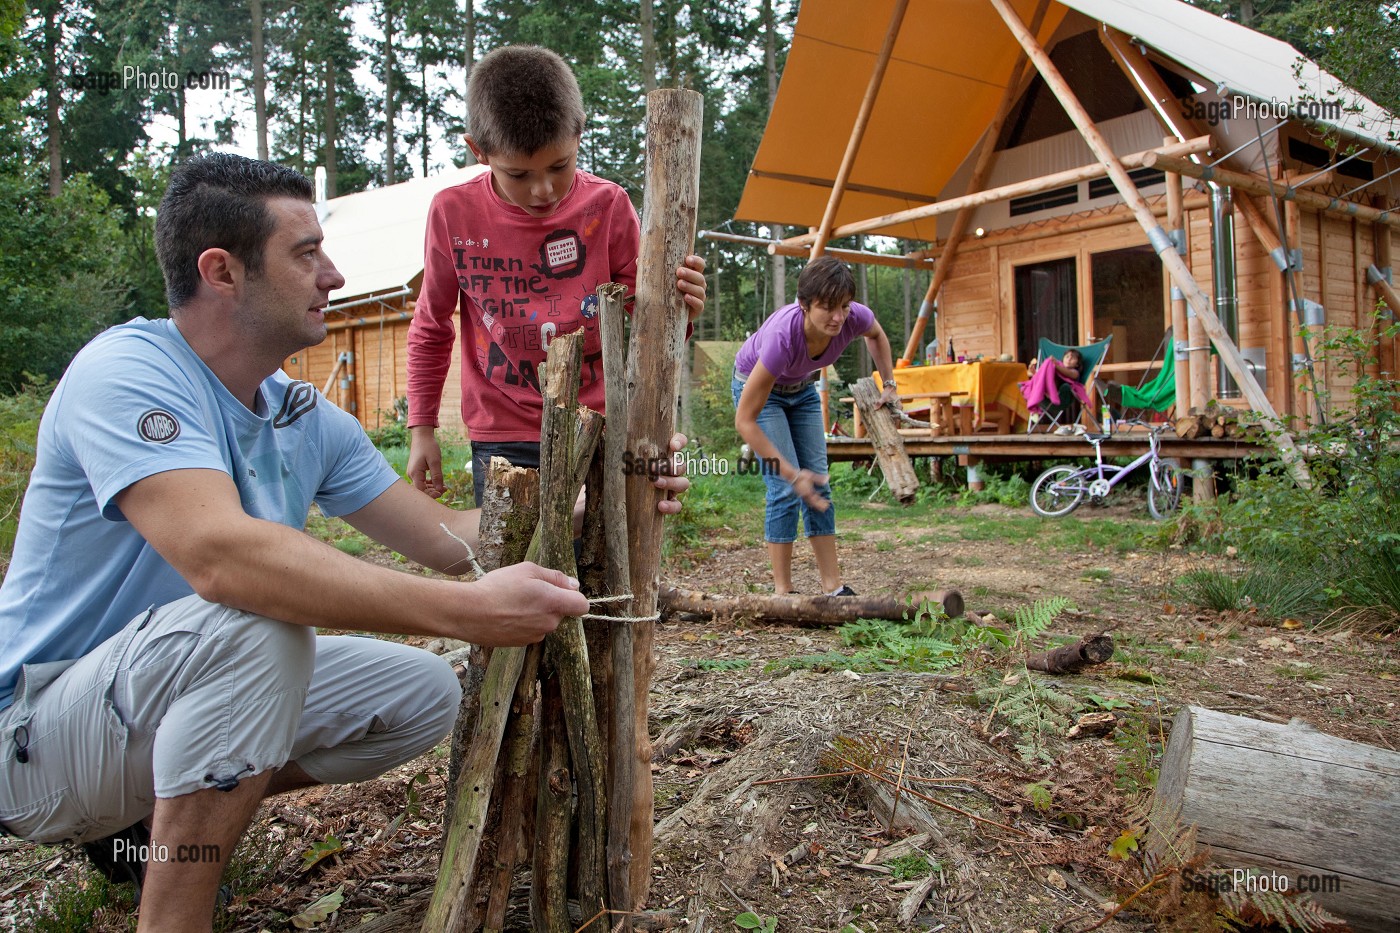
522,281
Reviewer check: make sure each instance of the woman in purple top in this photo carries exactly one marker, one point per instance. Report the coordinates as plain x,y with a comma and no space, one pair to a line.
779,414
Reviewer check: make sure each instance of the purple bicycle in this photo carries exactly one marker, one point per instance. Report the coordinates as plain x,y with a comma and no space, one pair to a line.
1061,489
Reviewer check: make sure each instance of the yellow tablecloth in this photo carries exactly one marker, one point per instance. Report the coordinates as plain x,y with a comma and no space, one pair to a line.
983,381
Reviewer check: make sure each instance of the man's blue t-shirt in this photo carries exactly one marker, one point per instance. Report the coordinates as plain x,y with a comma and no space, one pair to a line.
135,402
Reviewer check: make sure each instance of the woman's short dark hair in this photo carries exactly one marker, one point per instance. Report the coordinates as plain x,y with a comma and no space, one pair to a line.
825,279
218,200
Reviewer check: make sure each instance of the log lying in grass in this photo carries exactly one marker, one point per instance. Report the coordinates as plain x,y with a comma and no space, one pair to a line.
800,610
1321,811
1073,658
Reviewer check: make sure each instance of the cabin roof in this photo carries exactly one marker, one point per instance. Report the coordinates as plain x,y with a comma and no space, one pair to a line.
375,237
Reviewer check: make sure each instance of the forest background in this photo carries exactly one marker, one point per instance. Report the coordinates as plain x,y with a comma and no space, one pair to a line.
373,91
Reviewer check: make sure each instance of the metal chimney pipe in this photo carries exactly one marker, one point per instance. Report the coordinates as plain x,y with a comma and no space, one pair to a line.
1222,262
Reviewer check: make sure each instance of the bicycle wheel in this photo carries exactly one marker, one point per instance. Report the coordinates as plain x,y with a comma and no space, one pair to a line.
1164,490
1058,491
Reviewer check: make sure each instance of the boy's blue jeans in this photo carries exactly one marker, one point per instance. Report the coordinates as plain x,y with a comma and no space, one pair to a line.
794,424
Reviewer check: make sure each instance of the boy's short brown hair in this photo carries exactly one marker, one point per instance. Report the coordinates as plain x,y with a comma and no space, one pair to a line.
521,99
825,279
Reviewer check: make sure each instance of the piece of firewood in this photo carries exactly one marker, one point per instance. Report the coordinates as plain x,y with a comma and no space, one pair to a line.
671,200
1317,811
622,707
1070,659
565,650
801,610
885,438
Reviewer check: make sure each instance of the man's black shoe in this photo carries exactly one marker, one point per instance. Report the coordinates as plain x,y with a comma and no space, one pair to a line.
120,856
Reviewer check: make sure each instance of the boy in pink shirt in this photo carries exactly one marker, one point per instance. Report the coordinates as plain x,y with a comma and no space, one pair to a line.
525,247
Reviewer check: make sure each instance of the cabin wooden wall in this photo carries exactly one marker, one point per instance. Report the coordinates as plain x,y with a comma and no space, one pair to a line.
380,371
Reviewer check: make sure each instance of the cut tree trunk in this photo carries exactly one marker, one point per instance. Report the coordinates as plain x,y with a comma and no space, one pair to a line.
800,610
1320,810
672,199
883,431
1070,659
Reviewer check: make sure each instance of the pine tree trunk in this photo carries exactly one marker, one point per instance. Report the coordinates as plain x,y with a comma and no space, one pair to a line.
53,98
468,61
255,12
647,19
332,133
389,106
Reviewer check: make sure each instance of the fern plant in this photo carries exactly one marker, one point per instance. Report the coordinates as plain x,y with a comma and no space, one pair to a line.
1039,714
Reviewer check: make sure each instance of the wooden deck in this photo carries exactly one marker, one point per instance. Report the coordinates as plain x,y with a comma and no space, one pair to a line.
1049,447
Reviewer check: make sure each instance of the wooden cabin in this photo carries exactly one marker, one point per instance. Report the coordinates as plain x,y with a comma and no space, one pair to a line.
1087,168
375,238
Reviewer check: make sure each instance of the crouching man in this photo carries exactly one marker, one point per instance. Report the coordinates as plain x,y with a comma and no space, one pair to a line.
159,664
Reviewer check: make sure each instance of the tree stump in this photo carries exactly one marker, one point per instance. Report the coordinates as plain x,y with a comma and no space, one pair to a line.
1321,811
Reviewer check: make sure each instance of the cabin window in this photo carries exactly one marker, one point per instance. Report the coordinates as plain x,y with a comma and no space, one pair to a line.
1128,302
1046,305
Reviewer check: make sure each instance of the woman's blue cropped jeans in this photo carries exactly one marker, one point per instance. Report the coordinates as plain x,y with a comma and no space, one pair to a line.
794,424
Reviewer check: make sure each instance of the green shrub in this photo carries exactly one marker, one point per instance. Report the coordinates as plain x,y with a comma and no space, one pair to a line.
19,432
1338,540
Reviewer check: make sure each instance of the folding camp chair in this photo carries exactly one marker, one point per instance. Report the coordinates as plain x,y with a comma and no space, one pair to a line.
1067,411
1157,394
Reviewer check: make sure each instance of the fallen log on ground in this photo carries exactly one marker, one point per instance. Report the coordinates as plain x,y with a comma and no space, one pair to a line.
1319,812
1073,658
799,610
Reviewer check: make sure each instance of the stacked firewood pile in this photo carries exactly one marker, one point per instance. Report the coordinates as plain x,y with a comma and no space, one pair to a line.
1217,422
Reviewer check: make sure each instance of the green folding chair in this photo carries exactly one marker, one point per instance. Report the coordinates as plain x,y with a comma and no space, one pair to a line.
1093,355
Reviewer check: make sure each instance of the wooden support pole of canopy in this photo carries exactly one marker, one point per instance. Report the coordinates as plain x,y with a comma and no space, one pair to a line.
1229,354
671,201
986,156
1256,184
1002,193
867,105
1181,329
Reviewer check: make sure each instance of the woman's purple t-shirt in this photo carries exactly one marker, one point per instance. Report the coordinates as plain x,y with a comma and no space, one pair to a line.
779,344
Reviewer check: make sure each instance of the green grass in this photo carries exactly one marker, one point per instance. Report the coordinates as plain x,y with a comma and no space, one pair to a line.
1275,592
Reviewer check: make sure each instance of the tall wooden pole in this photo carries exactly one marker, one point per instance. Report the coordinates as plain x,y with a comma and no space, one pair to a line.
1176,224
1198,300
867,105
986,156
671,200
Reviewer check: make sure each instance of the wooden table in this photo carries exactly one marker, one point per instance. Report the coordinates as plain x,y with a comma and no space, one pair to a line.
984,383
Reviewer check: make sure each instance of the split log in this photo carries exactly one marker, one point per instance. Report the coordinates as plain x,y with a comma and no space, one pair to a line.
883,430
1319,810
1073,658
672,197
800,610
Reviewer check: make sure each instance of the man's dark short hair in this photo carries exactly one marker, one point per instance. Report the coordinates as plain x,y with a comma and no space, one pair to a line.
521,99
825,279
218,201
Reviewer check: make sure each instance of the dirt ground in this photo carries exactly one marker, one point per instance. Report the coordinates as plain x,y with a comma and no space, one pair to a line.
811,854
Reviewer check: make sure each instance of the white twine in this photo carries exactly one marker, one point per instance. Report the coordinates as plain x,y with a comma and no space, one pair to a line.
480,572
